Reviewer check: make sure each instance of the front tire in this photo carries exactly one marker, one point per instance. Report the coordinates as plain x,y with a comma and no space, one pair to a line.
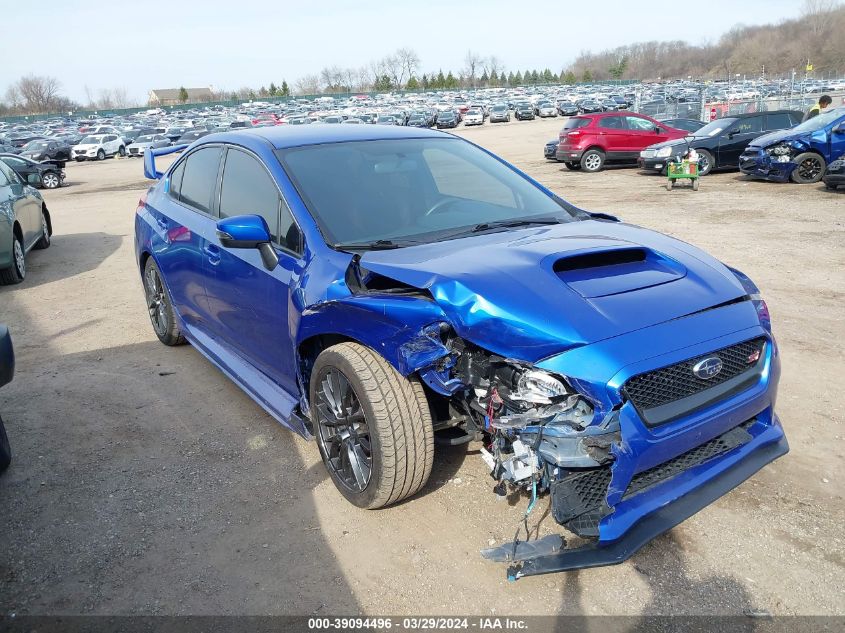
50,180
15,273
810,168
160,306
705,162
122,151
373,426
44,242
572,166
592,160
101,155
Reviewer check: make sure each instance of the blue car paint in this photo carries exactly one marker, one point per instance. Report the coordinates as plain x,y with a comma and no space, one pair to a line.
499,291
757,162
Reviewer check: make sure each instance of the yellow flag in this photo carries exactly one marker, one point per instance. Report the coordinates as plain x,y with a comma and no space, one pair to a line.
809,67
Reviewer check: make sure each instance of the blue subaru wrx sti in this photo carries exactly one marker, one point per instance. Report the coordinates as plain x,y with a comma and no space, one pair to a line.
383,289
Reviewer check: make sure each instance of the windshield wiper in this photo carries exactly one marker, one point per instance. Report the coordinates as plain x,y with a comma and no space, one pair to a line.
377,245
508,224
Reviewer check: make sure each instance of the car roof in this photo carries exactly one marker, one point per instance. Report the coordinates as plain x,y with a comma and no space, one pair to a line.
281,137
745,115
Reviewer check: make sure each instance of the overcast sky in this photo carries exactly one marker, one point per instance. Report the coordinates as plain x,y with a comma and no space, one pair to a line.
140,45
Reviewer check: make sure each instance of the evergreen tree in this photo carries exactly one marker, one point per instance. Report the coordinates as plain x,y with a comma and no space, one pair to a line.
485,78
451,82
285,89
262,92
511,79
535,77
517,79
441,80
548,77
412,84
587,76
274,91
494,78
569,77
383,84
183,94
424,82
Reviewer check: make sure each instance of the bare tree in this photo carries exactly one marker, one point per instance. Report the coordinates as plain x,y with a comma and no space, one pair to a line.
817,12
409,63
307,85
38,93
493,65
472,63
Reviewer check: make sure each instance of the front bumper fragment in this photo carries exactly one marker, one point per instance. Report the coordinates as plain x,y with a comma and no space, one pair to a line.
656,523
757,163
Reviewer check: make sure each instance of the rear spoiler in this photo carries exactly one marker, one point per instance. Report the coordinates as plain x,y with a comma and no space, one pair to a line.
150,159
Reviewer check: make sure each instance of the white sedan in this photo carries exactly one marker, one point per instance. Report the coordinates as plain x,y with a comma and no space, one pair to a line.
474,117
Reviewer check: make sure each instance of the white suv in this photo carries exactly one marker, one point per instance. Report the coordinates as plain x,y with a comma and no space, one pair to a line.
98,147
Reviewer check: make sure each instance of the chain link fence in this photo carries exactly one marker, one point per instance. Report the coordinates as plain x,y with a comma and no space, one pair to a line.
705,110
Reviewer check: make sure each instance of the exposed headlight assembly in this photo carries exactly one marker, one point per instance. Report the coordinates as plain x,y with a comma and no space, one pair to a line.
781,152
538,387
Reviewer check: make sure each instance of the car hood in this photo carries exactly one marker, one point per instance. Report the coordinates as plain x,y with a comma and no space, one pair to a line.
533,293
781,136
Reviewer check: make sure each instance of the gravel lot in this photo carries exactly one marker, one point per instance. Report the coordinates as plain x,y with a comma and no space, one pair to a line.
145,482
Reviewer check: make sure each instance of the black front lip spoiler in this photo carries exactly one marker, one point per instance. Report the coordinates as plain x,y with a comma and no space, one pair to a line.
656,523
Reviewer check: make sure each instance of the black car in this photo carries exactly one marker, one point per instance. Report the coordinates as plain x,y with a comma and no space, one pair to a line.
721,142
45,174
835,175
446,119
690,125
46,149
7,372
190,137
587,106
523,112
418,119
567,108
550,149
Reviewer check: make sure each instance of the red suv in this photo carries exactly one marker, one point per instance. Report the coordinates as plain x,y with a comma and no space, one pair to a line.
589,140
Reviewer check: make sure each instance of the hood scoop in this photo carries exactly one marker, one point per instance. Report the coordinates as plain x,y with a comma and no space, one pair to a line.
603,272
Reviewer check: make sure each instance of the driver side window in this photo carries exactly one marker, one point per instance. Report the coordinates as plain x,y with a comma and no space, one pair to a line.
639,124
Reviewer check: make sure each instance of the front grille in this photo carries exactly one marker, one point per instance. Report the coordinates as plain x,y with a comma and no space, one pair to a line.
698,455
578,500
668,384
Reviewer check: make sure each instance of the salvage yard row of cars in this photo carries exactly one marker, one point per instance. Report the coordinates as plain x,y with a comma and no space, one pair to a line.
773,145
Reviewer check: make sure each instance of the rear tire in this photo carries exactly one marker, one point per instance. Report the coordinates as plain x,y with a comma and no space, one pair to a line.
592,160
572,166
5,448
15,273
160,306
384,419
810,168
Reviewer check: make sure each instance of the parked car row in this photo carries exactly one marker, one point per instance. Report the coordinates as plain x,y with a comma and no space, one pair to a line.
772,145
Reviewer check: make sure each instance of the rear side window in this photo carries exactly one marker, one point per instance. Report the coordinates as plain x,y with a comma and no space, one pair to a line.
4,179
612,123
199,178
575,122
176,179
248,189
778,121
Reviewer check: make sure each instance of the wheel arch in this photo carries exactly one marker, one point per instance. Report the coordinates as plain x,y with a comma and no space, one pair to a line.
47,216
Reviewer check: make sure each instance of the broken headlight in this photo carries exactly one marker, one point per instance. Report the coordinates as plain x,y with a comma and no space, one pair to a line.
538,387
781,152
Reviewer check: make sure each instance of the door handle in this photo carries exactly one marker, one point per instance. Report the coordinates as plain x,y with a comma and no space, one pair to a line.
212,252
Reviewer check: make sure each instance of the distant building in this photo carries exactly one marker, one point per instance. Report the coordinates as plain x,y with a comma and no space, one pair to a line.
170,96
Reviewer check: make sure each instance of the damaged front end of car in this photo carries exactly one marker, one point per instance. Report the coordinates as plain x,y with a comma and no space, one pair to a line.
649,401
774,162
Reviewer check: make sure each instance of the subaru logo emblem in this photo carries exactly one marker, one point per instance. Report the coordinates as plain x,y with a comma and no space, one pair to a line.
707,368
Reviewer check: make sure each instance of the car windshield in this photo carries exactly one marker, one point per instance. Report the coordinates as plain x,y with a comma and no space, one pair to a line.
406,191
819,121
36,145
147,138
715,127
90,140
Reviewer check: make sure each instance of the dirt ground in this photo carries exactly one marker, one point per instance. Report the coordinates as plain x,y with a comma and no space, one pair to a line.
145,482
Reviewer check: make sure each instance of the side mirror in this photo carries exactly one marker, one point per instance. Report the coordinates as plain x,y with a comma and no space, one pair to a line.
248,231
658,129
